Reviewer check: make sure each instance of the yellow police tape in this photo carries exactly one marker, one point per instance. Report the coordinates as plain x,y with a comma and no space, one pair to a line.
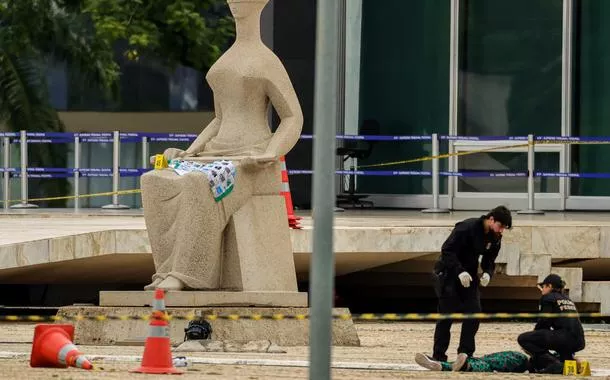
92,195
402,162
484,150
278,317
447,155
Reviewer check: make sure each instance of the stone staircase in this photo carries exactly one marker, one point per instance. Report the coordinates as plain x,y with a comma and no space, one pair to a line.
516,263
597,291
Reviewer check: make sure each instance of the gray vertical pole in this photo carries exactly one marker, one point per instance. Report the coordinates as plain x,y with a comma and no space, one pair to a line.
566,95
145,150
146,154
341,63
325,124
76,172
451,179
7,175
435,179
531,191
454,83
116,175
23,145
454,66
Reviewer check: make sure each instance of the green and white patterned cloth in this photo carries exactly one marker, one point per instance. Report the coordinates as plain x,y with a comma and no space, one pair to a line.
505,361
220,174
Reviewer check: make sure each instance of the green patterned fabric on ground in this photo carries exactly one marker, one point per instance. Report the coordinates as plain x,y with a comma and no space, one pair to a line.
505,361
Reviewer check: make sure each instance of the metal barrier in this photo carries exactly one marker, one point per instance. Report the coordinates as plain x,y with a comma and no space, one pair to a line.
116,172
23,145
435,179
116,176
77,172
531,167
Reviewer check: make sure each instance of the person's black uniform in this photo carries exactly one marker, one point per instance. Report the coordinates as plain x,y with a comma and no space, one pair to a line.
562,335
456,269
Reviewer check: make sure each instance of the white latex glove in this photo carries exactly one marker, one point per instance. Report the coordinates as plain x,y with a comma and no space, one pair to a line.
485,279
465,279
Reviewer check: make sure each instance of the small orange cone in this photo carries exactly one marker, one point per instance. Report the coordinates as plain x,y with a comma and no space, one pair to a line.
157,356
293,220
53,348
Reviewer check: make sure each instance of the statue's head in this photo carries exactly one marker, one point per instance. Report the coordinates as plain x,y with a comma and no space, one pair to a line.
245,8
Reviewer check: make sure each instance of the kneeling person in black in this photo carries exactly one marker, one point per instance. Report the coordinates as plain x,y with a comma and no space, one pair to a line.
456,280
563,335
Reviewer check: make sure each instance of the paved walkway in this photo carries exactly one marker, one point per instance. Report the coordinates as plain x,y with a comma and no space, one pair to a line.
18,226
387,350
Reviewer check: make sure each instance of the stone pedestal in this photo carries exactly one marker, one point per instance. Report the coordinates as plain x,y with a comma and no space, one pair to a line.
205,299
196,304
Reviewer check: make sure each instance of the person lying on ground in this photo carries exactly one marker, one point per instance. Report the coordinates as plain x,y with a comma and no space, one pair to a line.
505,361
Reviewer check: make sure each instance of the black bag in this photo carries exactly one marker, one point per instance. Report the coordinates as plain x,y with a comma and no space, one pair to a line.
198,330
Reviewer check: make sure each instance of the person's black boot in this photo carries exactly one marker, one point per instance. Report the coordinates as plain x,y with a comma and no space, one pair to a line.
554,368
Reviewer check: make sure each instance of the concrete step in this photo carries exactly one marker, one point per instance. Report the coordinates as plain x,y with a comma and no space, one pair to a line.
510,256
573,280
597,291
535,265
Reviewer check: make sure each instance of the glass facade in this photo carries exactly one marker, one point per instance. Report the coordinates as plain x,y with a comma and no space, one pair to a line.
511,67
591,112
510,85
511,81
404,84
145,86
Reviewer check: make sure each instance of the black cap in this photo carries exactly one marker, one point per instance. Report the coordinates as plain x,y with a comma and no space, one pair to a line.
554,280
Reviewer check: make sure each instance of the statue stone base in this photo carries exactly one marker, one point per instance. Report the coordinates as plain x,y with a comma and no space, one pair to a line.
205,298
284,332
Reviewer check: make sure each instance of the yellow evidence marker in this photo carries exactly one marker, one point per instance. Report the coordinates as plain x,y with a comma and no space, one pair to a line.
160,162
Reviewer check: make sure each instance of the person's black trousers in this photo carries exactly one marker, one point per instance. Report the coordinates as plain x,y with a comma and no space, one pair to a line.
537,343
454,298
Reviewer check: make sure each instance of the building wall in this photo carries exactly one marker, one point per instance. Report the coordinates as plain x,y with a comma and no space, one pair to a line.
510,83
294,44
171,122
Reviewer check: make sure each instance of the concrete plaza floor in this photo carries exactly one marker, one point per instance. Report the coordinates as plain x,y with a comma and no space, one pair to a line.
382,344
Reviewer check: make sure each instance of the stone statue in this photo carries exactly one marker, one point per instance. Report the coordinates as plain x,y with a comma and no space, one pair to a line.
187,226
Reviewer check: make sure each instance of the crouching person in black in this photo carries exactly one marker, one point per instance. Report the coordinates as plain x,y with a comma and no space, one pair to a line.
564,335
456,279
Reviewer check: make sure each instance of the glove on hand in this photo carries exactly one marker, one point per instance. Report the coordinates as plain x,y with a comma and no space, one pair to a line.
485,279
465,279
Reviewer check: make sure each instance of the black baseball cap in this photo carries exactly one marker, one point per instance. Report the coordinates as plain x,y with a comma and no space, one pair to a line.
554,280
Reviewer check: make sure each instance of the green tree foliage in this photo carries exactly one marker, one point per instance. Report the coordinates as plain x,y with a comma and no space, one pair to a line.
189,32
84,34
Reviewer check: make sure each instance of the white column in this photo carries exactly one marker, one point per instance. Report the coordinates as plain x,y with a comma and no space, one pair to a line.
351,83
353,39
454,83
566,96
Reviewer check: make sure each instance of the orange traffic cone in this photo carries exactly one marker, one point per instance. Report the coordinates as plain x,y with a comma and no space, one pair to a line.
53,348
293,220
157,356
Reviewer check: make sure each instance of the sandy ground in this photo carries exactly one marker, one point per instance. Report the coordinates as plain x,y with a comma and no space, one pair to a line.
381,343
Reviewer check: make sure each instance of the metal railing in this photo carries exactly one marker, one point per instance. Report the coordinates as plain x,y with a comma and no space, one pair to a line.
24,172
